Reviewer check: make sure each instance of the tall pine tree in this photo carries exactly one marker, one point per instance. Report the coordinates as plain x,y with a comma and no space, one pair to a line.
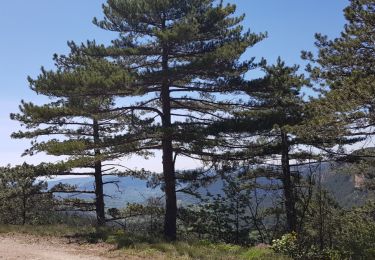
345,70
183,53
262,134
77,125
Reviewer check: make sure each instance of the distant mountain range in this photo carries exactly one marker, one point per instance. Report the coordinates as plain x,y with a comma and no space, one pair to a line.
126,189
132,190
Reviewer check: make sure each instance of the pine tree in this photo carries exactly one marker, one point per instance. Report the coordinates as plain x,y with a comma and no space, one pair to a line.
183,53
76,124
262,133
344,68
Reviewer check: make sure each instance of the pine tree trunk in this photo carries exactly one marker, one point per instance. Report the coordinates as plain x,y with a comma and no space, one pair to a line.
170,191
288,186
99,193
321,215
167,149
24,202
237,223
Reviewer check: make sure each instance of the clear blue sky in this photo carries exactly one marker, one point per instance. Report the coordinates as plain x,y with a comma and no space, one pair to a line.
32,31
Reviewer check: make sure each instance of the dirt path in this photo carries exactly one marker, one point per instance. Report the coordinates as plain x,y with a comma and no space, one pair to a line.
20,246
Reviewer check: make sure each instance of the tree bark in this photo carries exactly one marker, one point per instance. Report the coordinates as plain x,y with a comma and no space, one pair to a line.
167,150
99,193
24,202
288,186
321,215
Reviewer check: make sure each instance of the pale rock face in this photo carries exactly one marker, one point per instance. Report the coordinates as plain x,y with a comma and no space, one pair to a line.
359,181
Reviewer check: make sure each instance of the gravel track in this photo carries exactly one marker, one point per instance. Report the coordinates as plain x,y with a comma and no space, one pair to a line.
22,246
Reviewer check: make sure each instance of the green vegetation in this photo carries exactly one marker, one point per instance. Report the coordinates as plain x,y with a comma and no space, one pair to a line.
86,125
58,230
202,250
23,199
175,81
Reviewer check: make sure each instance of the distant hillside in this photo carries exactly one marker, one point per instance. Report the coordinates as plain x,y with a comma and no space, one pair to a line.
128,189
343,187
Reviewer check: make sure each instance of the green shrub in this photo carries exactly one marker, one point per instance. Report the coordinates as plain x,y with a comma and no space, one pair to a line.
287,244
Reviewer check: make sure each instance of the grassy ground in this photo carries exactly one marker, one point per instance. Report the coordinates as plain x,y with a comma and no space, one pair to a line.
149,248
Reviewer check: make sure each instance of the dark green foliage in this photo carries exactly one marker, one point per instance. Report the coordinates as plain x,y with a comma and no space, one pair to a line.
262,133
355,238
146,219
78,125
320,226
221,217
345,64
331,232
23,198
344,70
181,53
74,113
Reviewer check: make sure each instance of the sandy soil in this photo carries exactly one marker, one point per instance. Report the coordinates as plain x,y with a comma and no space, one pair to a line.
21,246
